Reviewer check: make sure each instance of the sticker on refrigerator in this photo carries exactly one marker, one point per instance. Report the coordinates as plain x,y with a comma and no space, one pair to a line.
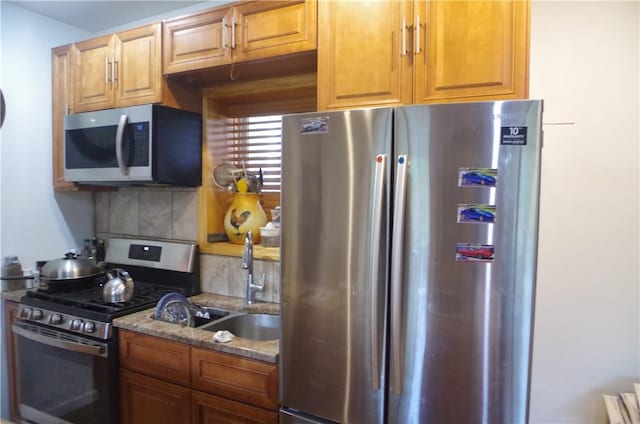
467,252
513,136
315,125
477,177
476,214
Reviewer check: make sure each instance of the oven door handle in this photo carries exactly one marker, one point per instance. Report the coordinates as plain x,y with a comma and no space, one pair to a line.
62,344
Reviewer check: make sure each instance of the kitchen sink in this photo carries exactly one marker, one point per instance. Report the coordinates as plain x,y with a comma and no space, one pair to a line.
248,326
213,313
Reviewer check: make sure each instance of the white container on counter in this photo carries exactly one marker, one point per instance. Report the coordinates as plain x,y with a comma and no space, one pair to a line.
11,273
270,236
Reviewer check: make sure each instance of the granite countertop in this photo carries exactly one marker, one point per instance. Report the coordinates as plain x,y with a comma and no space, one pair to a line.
143,322
13,295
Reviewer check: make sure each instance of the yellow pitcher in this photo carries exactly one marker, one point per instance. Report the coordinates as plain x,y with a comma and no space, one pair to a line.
245,213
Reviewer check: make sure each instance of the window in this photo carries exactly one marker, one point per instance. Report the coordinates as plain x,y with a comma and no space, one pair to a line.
253,143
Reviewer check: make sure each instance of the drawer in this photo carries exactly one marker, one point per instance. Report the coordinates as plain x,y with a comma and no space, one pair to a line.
232,377
155,357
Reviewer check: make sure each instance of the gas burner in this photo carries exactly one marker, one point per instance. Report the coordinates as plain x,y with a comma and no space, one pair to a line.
157,268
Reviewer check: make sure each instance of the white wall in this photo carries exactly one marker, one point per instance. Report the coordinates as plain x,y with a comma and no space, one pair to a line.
584,64
35,223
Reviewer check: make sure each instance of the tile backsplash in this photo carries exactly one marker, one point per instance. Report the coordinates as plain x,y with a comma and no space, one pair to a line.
171,213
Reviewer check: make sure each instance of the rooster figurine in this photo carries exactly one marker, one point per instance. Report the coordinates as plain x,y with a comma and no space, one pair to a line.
236,221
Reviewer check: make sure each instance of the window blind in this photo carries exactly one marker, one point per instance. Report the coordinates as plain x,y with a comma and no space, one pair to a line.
253,142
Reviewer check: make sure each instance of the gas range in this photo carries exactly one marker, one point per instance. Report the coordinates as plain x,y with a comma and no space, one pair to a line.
68,365
157,268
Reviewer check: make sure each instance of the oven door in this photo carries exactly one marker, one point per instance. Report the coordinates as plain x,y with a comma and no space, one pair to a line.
66,378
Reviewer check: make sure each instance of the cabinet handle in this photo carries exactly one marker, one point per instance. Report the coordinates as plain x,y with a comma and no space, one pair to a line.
233,31
403,32
107,77
224,33
418,48
114,70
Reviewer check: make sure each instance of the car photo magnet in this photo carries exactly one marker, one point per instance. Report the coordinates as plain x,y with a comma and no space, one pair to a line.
477,177
476,214
315,125
467,252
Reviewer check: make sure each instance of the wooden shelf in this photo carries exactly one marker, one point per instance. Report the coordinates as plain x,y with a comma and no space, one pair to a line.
230,249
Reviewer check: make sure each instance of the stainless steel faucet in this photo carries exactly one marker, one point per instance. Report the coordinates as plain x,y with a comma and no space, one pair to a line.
247,263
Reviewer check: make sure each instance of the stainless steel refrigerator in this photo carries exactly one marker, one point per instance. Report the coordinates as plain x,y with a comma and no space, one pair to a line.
408,263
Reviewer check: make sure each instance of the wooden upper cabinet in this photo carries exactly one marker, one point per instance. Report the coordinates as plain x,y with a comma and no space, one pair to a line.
273,28
92,68
248,31
196,42
473,50
360,62
389,52
62,98
138,70
117,70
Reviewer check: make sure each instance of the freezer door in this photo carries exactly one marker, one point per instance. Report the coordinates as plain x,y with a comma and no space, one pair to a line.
461,317
334,246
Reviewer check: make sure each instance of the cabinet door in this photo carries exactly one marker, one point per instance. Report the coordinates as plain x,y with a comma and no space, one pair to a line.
263,29
62,96
361,61
138,67
232,377
92,67
196,42
147,400
10,314
154,356
473,50
208,409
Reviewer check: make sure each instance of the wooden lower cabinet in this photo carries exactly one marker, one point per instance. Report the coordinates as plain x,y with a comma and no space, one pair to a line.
149,400
162,381
10,315
216,410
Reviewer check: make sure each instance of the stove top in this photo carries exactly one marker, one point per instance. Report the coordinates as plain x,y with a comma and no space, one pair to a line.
88,303
157,268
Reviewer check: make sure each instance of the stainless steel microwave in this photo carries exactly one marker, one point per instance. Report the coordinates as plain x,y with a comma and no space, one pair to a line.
138,145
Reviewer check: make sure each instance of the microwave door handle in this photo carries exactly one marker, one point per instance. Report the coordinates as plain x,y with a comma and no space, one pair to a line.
124,170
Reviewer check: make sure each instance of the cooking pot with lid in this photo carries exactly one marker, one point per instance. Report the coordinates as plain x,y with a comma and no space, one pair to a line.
70,272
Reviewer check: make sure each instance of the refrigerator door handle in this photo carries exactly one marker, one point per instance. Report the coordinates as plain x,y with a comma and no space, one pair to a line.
397,259
374,277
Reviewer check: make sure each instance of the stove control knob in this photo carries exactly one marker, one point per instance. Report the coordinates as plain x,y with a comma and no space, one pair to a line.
55,319
89,327
37,314
75,324
26,313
